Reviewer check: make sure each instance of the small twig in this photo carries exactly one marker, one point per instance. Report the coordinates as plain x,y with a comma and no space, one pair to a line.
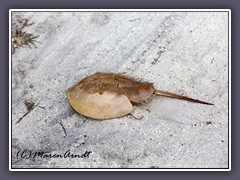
64,130
148,110
29,108
41,107
22,117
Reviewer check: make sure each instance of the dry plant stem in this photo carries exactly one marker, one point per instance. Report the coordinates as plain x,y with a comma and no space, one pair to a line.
29,110
21,38
64,130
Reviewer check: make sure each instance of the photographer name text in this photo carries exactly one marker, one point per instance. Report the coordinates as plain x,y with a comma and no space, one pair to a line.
27,154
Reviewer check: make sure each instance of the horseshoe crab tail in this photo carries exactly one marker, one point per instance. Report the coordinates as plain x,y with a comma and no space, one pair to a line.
172,95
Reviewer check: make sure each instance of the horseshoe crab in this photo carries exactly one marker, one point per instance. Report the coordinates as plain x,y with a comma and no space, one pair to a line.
104,96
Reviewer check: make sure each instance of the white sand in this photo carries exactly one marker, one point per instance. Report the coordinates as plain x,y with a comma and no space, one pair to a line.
184,53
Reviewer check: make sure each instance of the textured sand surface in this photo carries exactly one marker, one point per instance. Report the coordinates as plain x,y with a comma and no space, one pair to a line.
180,52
